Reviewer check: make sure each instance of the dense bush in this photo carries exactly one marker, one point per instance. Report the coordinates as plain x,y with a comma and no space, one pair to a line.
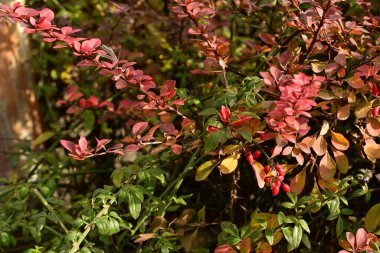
252,128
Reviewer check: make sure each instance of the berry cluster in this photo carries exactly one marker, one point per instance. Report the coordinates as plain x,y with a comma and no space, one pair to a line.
274,175
276,178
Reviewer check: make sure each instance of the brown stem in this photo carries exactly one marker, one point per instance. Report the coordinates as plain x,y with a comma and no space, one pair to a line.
304,57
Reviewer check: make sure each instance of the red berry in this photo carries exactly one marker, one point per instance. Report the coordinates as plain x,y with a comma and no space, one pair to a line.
286,187
278,166
275,189
277,183
375,90
281,171
280,178
262,136
375,111
266,169
267,180
256,154
249,156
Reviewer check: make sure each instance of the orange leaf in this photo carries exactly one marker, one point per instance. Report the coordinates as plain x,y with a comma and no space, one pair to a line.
372,151
298,182
373,127
259,173
320,146
343,113
339,141
327,167
355,82
341,161
225,248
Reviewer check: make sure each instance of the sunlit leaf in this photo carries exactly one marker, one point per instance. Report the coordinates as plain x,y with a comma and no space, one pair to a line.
229,164
205,169
298,182
343,112
320,146
339,141
327,167
258,168
341,161
372,151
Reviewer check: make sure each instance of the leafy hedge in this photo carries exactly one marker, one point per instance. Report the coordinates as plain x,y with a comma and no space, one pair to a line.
254,127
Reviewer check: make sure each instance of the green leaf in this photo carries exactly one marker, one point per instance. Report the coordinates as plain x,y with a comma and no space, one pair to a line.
113,226
372,218
230,228
287,205
281,218
288,233
252,114
216,138
5,240
135,196
102,225
42,138
333,206
304,225
339,227
269,235
205,169
297,236
208,111
89,119
306,241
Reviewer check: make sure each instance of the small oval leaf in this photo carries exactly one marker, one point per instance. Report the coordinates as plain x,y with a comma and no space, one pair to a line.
327,167
339,141
205,169
229,164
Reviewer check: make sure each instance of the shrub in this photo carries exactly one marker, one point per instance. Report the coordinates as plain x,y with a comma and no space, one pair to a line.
260,127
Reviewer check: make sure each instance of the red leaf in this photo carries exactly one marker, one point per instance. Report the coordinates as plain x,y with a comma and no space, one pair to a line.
83,144
69,145
139,127
361,238
177,149
268,39
225,248
355,82
224,114
131,148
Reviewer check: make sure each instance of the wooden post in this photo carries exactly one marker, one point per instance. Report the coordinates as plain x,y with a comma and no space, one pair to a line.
19,117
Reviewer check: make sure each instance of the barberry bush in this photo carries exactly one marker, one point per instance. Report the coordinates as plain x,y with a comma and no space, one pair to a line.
199,126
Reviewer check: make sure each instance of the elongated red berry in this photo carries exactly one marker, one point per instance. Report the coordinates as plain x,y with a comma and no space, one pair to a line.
286,187
375,90
275,189
249,156
375,111
266,169
256,155
278,166
278,182
281,171
280,178
267,180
